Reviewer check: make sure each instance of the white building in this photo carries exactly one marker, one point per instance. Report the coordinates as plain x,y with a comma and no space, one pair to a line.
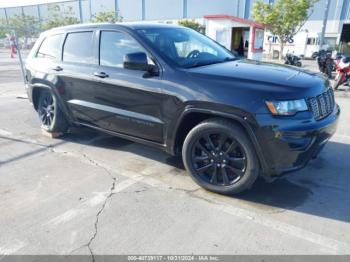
226,30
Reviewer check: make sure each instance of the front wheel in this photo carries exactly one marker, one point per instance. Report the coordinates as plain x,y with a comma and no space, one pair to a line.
220,157
51,116
298,64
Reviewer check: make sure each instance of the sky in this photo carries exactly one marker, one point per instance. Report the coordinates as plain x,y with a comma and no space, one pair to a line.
13,3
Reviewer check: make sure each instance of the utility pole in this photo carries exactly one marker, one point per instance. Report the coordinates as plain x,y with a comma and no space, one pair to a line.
39,16
116,9
6,17
20,57
143,10
80,12
90,10
324,25
184,11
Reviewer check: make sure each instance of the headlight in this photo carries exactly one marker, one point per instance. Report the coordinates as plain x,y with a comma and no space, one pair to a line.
287,108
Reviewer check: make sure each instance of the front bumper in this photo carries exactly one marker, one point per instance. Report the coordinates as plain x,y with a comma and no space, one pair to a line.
288,144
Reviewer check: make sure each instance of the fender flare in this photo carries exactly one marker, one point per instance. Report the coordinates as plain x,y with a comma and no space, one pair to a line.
54,91
242,120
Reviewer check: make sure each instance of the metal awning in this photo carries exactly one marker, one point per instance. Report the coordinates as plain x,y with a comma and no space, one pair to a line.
235,19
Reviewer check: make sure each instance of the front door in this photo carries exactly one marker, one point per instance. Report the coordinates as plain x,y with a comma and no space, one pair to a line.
126,101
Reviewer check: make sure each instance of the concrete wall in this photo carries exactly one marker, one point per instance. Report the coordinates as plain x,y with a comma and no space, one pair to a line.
130,10
135,10
171,9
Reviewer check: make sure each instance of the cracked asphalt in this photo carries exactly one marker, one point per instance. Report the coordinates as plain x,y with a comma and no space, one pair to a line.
90,193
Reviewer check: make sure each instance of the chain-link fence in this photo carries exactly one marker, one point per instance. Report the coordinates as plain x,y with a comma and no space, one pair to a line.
30,21
13,46
21,26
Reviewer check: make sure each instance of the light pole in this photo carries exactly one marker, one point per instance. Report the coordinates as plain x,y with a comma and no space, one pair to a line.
324,24
20,58
18,49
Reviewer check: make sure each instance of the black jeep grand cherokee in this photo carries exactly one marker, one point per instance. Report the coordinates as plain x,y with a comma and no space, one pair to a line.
175,89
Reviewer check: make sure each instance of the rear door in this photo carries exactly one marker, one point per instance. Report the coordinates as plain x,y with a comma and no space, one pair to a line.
126,100
76,74
43,60
48,56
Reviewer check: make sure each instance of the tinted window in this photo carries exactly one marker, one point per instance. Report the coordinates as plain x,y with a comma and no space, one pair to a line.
113,47
78,47
51,47
185,47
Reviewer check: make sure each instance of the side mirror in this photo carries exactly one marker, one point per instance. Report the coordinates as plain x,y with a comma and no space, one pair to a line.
136,61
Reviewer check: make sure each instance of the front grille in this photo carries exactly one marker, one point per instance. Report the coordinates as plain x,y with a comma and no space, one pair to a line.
322,105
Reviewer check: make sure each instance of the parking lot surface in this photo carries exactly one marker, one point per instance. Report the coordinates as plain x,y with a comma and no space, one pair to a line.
91,193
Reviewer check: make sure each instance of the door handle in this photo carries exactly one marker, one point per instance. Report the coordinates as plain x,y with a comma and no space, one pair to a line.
57,68
101,74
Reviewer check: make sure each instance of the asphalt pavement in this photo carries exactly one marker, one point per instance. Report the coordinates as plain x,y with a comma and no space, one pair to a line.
91,193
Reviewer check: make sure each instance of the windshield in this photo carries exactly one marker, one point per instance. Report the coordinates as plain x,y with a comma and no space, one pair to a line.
185,47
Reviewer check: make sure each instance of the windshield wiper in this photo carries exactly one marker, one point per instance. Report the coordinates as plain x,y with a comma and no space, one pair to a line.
228,59
204,63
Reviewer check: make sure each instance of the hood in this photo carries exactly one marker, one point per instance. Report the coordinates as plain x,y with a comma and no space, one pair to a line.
255,72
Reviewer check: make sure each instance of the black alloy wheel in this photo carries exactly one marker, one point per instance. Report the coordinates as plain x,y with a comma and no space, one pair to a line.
50,114
218,159
46,109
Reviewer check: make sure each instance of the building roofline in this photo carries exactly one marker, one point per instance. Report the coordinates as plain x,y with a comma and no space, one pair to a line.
18,4
235,19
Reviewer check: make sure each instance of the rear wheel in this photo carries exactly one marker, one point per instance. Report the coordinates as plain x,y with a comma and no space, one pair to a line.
329,71
220,157
338,82
51,116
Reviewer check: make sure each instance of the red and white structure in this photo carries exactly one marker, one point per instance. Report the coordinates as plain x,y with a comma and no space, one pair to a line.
231,31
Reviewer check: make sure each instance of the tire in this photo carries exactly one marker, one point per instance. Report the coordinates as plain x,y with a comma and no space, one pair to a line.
329,71
298,64
222,165
337,83
51,117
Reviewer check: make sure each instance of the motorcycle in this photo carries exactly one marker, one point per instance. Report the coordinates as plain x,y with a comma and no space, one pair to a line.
337,60
343,72
291,59
325,63
314,55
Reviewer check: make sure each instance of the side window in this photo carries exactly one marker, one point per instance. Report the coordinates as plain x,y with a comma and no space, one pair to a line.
51,48
78,48
113,47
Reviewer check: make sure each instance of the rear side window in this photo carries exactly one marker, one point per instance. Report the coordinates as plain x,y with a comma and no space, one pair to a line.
78,47
114,46
51,47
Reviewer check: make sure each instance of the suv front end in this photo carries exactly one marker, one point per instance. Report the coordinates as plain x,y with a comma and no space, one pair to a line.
290,139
